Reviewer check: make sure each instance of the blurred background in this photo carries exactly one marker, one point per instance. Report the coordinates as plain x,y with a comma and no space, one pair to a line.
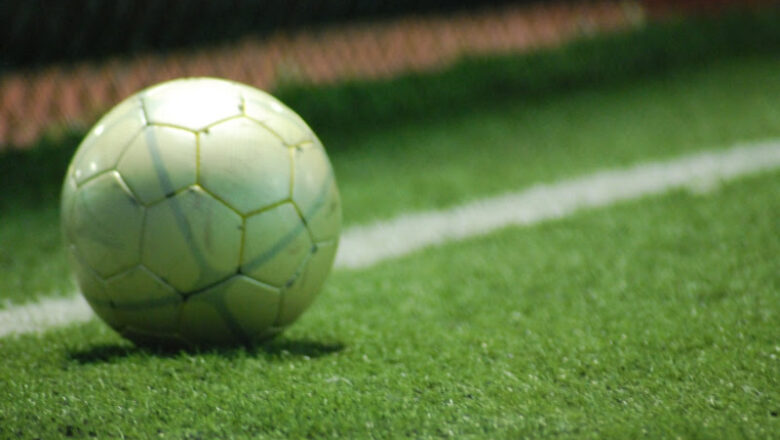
66,62
342,64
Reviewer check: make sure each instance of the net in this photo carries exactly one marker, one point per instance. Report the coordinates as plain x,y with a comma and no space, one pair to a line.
65,62
68,62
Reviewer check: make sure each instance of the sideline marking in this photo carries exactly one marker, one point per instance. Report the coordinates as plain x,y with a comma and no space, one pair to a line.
42,315
364,246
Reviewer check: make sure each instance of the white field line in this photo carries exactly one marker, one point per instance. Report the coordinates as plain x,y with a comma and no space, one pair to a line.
43,315
363,246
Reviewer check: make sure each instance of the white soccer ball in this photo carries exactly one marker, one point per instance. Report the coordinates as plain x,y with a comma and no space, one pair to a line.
200,211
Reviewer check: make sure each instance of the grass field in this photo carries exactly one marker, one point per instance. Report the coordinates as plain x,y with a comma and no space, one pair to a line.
652,318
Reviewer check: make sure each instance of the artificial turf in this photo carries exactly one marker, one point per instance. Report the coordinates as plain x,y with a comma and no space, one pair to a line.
655,318
429,164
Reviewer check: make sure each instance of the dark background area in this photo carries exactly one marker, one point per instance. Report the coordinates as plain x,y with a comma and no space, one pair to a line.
37,32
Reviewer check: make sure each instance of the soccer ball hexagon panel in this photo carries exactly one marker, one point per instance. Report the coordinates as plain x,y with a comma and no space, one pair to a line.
200,211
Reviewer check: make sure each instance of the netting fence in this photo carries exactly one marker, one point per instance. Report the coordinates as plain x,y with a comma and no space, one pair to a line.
66,62
78,65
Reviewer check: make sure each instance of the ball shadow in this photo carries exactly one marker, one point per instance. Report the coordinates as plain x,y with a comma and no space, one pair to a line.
276,349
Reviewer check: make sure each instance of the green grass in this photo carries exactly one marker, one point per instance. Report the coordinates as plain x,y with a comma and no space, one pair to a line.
436,164
654,318
429,164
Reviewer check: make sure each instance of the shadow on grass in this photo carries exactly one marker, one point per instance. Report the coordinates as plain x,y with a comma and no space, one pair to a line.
276,349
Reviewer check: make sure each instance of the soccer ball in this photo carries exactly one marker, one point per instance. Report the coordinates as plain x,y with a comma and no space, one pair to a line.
200,212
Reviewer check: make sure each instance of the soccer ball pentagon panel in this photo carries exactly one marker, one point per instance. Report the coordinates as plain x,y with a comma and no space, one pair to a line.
200,212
